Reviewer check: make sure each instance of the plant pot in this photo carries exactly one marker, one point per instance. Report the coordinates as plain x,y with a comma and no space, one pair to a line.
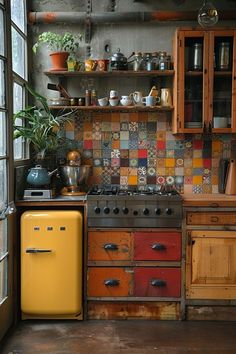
58,60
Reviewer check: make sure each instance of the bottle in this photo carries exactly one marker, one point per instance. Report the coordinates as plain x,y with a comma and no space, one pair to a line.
94,98
149,62
88,98
197,56
155,60
223,56
162,61
138,61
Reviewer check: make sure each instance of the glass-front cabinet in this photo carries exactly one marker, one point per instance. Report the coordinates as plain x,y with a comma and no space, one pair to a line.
205,81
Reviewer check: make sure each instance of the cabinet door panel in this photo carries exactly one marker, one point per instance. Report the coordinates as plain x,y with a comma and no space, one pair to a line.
107,246
211,218
162,246
109,281
157,282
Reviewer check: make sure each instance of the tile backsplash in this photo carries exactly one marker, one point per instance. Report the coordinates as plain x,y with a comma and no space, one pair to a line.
138,149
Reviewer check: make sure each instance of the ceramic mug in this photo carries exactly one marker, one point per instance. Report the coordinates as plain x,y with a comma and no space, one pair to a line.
90,64
150,100
166,99
113,101
103,101
137,98
113,94
102,64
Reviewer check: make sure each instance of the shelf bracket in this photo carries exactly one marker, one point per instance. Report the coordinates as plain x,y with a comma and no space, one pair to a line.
88,27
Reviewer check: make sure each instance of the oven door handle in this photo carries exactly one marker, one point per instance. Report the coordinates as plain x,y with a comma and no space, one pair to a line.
111,282
110,247
37,250
158,282
158,247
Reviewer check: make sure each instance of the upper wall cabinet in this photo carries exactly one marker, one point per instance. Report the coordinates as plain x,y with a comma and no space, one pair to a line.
205,88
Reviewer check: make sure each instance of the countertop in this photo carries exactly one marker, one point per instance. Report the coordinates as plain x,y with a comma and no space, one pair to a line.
57,201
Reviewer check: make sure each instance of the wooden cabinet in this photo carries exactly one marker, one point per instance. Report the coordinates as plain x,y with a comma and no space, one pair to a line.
205,85
134,266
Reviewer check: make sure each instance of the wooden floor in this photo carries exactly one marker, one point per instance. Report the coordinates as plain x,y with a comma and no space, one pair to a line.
119,337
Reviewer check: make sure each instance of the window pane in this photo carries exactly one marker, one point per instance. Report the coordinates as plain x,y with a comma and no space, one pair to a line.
18,105
18,53
1,33
2,134
3,237
3,279
18,13
2,84
1,1
3,182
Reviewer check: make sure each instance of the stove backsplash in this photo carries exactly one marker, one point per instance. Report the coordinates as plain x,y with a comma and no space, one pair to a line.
138,149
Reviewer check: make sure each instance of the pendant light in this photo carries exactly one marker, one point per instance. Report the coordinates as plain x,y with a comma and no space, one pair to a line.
207,15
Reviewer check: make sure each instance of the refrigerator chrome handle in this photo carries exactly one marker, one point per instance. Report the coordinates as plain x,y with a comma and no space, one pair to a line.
37,250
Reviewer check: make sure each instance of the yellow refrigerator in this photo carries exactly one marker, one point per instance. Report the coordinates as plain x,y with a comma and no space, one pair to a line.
51,264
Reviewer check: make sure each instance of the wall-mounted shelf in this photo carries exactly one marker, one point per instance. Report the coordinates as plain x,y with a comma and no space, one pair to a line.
115,73
116,108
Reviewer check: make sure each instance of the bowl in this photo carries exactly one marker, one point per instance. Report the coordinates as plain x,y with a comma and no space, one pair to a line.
74,175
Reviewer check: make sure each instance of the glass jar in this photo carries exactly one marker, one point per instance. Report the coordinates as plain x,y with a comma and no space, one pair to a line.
149,62
87,97
138,61
162,61
155,60
168,62
93,98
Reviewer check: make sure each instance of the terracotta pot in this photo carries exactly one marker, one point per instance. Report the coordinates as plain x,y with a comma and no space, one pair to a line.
58,60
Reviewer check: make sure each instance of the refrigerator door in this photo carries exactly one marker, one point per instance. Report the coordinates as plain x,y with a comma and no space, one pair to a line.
51,264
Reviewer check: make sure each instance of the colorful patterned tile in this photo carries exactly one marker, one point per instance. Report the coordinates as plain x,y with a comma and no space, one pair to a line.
142,144
124,126
124,135
124,180
124,153
151,171
88,144
124,171
188,163
170,171
97,154
124,117
133,153
97,162
179,171
197,180
161,180
106,162
142,162
124,144
133,162
115,153
124,162
197,154
115,117
197,163
115,162
161,124
197,189
87,135
133,171
206,179
115,144
169,162
96,135
106,126
142,180
152,152
133,144
70,135
160,171
115,180
198,144
106,179
170,153
133,117
142,153
142,116
161,135
188,180
161,145
152,117
188,171
161,153
132,180
142,135
106,153
142,171
206,163
151,180
151,162
142,126
188,153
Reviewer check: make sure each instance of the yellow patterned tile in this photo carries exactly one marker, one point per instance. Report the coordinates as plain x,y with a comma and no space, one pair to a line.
160,171
124,171
217,145
170,162
197,163
197,179
132,180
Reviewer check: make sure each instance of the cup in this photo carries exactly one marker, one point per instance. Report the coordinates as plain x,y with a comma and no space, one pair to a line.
102,64
81,101
113,101
90,64
103,101
113,94
137,98
150,100
220,122
166,99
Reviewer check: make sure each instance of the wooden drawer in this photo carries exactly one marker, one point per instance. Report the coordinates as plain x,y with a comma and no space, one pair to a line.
109,281
164,282
107,246
159,246
211,218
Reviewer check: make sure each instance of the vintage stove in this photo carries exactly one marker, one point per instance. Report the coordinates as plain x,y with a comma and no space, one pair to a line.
149,208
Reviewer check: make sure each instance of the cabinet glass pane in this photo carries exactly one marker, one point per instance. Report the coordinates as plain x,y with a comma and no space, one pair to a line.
3,279
2,84
222,87
1,33
18,105
193,83
3,237
3,184
18,53
18,13
2,134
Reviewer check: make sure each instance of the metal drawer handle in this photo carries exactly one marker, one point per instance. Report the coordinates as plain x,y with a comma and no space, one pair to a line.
158,247
158,282
110,247
37,250
214,219
111,282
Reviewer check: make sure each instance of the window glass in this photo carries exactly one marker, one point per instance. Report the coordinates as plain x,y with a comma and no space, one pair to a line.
18,13
3,187
3,279
18,105
1,1
3,237
2,84
1,33
2,135
18,53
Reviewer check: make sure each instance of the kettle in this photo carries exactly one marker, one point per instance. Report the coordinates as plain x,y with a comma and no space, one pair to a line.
231,178
39,176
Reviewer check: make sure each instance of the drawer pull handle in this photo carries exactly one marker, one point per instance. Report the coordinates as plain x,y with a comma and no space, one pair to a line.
158,282
111,282
37,250
214,219
110,247
158,247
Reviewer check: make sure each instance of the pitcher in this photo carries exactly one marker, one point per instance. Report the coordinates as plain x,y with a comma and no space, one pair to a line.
166,99
137,98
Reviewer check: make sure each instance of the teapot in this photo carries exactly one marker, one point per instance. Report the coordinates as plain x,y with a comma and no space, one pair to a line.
126,100
118,61
39,176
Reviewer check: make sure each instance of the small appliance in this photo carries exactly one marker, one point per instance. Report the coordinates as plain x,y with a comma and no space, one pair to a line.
230,187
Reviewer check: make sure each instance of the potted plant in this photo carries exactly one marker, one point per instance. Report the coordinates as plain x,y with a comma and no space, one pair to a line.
60,45
44,131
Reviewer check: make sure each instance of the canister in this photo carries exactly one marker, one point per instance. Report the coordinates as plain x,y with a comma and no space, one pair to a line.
197,56
223,56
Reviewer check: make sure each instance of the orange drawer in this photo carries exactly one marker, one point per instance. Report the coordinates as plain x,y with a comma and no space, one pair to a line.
164,282
159,246
109,281
107,246
211,218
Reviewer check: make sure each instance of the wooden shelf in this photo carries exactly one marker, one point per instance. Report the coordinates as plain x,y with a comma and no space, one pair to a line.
116,108
115,73
223,73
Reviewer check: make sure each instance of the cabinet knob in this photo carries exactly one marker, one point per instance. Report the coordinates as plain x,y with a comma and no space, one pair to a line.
111,282
158,282
110,247
158,247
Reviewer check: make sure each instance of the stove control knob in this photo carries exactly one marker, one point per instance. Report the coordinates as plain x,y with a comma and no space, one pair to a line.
106,210
97,210
168,211
135,212
125,210
116,210
145,211
158,211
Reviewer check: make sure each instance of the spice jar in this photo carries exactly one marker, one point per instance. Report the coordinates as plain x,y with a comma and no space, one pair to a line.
138,61
93,98
155,60
162,61
88,98
149,62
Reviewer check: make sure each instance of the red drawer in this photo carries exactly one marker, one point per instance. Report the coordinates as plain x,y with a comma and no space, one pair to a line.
153,282
157,246
109,281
